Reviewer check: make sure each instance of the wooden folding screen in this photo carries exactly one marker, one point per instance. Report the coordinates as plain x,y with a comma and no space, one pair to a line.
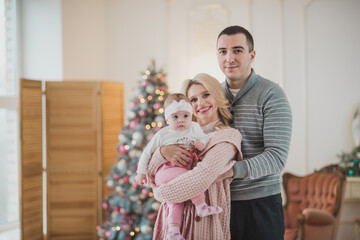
31,194
112,114
83,120
73,151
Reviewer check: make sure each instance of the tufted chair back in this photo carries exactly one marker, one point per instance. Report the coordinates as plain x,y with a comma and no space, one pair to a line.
313,204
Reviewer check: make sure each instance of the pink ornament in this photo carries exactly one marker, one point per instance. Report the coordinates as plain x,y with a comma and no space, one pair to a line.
107,234
144,83
142,113
105,205
122,211
133,124
157,106
135,185
122,149
152,216
116,209
98,227
116,176
145,192
126,179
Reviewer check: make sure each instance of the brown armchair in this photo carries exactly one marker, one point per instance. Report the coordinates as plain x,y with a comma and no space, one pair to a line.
313,204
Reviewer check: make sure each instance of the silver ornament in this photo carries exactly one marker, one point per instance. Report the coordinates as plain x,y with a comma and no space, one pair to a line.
138,137
150,88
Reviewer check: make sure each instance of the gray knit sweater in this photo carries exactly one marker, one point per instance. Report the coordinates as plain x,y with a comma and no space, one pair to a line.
263,116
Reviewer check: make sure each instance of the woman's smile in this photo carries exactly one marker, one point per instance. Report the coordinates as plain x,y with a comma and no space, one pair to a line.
204,109
204,105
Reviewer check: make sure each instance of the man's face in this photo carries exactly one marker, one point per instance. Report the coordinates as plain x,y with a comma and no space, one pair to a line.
235,59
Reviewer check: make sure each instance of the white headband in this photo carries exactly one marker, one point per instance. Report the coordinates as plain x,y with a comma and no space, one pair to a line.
175,106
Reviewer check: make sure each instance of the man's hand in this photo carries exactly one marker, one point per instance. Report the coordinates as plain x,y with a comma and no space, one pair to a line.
176,154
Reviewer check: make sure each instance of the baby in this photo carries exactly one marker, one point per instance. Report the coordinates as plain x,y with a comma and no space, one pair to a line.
181,130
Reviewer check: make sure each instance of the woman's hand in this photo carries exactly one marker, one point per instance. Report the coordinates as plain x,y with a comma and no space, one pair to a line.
176,154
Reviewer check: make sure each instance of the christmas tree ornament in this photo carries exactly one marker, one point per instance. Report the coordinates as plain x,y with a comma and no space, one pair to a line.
114,215
159,119
152,216
118,189
131,114
145,229
123,138
138,137
144,83
143,106
145,192
110,183
134,198
115,176
105,205
142,113
125,179
132,153
121,165
150,88
133,124
157,106
122,149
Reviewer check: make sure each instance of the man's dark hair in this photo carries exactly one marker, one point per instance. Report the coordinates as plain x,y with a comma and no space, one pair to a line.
232,30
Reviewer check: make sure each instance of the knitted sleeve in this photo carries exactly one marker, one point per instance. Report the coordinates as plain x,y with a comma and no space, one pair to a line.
277,127
217,161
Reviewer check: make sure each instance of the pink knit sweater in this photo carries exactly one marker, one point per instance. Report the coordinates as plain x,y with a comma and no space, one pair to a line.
219,156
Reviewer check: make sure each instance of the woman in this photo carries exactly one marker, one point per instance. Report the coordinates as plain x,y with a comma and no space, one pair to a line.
210,110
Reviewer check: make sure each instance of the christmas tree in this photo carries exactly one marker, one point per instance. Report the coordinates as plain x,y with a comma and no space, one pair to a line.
131,210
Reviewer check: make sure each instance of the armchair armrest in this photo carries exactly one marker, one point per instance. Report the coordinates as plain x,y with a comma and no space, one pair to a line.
316,217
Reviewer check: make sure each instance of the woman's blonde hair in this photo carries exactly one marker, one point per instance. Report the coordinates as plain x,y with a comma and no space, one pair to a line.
216,91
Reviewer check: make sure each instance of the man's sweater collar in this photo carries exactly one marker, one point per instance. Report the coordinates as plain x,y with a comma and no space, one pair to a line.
249,83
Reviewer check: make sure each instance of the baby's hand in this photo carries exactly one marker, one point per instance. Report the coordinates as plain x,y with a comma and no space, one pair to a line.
140,179
199,145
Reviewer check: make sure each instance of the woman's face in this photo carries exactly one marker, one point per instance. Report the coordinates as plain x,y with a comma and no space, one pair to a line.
205,107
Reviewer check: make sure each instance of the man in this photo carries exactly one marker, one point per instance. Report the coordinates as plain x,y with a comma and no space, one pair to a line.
262,114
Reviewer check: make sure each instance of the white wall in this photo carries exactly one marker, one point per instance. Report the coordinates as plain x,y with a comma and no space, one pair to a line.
136,34
332,68
84,37
41,38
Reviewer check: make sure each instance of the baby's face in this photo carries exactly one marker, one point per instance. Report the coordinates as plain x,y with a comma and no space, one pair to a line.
179,121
